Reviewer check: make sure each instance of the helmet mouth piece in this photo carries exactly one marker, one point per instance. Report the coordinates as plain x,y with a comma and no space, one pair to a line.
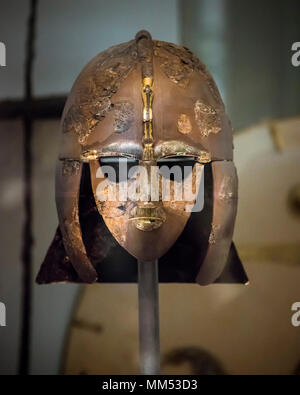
147,224
147,218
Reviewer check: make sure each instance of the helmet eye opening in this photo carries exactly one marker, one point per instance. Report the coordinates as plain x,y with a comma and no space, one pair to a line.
118,167
181,166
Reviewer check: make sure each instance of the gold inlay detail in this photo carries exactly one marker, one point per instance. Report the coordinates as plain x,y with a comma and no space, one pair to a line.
147,94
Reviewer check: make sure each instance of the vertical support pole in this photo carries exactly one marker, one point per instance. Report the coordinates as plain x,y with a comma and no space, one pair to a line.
148,317
24,355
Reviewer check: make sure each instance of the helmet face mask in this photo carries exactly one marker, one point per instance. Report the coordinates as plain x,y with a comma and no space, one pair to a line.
142,122
145,211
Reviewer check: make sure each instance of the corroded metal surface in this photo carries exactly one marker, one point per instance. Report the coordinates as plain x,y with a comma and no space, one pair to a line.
123,116
207,118
171,62
215,228
178,63
184,125
93,98
70,167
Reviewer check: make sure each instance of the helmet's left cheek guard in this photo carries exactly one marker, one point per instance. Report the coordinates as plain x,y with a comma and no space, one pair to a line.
225,194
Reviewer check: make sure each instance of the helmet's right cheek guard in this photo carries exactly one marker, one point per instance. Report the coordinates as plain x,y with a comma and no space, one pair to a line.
67,191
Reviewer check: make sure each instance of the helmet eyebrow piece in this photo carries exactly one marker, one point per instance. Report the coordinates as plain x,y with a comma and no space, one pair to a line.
179,148
124,149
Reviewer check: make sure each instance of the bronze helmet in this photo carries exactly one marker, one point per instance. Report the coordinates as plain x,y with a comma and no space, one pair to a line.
146,101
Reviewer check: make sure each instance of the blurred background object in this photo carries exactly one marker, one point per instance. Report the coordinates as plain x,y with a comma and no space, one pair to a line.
191,360
247,48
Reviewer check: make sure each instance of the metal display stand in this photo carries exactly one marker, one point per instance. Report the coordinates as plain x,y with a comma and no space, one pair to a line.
148,317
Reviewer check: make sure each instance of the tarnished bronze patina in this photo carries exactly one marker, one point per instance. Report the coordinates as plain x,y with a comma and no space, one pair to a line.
149,102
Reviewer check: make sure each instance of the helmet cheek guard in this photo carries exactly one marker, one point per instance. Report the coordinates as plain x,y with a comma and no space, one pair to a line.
225,186
68,177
